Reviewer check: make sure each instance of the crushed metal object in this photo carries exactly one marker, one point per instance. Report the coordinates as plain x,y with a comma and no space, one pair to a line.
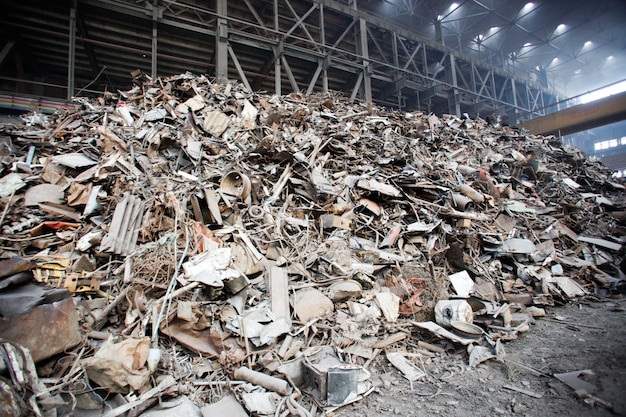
216,240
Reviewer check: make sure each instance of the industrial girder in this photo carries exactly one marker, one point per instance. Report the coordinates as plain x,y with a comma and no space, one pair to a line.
299,44
581,117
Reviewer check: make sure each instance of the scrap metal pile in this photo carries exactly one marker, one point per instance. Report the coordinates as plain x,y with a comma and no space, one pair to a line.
254,254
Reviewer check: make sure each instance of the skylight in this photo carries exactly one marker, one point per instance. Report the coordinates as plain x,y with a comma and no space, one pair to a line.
604,92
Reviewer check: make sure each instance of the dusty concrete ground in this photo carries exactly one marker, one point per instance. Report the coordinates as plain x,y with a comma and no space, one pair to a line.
585,334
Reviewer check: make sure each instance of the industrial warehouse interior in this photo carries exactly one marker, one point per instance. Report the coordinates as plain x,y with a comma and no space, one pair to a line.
312,208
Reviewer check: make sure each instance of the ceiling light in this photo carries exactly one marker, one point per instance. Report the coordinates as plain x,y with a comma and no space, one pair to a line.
560,27
588,43
610,57
494,28
439,17
578,71
527,44
454,5
528,5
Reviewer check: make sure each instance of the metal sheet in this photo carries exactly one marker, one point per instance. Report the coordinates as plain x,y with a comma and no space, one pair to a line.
45,330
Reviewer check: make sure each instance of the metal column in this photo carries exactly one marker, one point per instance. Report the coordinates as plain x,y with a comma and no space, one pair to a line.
439,32
363,50
514,99
221,43
453,101
396,64
277,49
71,55
153,66
323,38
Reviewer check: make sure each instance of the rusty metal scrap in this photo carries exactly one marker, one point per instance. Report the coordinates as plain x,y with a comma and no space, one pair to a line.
252,229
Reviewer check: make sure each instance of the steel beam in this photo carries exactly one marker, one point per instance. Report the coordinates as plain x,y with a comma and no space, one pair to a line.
314,79
581,117
277,76
367,80
71,54
154,57
299,39
454,105
221,42
290,77
240,70
323,42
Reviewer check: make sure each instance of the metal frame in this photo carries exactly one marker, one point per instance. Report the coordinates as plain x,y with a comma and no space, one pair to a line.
389,64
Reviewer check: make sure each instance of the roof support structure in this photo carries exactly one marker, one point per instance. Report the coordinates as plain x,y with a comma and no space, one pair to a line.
82,31
71,54
375,60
